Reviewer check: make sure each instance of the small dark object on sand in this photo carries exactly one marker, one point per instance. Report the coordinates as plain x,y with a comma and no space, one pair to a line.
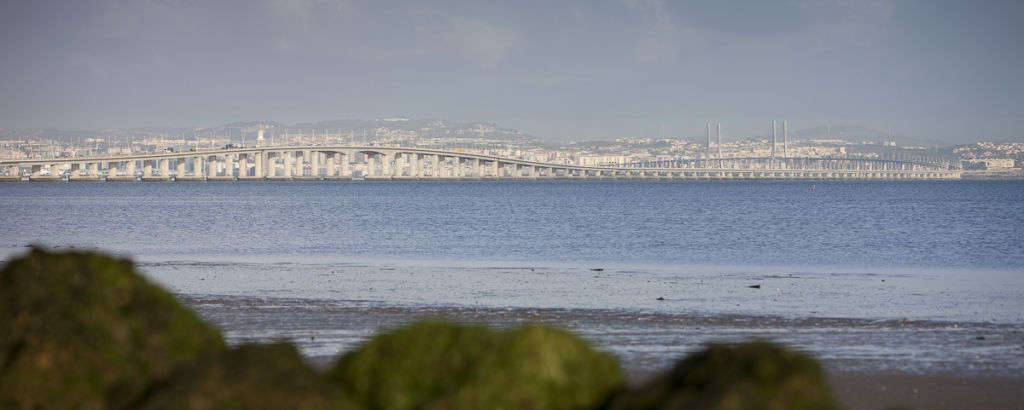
661,298
754,286
980,338
598,269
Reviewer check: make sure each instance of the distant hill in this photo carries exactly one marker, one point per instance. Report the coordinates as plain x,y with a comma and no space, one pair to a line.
424,128
415,128
856,133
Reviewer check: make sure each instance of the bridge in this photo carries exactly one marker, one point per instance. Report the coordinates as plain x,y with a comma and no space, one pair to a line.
342,163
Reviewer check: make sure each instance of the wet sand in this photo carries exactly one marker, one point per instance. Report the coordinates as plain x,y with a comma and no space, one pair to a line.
879,391
872,363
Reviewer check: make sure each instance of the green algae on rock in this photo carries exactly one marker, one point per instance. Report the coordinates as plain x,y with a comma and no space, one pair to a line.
749,376
440,365
271,376
84,330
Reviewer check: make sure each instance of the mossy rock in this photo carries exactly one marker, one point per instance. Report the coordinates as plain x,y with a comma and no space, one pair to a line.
272,376
85,331
440,365
756,375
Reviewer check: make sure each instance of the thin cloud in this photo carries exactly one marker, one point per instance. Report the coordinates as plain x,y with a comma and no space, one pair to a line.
483,42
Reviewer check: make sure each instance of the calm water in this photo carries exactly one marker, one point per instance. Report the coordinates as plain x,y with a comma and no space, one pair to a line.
974,225
905,276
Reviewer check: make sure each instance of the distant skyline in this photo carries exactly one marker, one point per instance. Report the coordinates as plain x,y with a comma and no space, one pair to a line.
559,70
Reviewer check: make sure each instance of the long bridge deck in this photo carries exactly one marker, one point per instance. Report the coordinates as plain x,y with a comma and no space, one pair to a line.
403,163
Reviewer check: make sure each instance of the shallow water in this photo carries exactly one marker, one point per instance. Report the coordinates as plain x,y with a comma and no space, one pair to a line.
897,321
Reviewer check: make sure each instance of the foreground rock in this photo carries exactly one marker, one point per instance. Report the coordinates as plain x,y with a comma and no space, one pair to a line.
270,376
439,365
83,330
748,376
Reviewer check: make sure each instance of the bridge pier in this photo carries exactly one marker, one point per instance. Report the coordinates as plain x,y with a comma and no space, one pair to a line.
129,170
286,164
228,165
243,166
370,169
179,169
329,168
346,163
259,161
314,163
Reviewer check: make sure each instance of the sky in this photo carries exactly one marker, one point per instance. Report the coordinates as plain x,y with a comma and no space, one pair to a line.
557,69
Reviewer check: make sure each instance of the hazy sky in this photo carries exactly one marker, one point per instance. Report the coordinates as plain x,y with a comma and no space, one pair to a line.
557,69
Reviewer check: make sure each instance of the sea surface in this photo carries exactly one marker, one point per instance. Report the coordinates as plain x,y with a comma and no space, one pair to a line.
916,276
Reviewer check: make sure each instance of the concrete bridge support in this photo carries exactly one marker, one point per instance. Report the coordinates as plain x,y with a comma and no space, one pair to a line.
371,164
387,165
243,165
197,167
346,159
271,164
256,165
329,168
211,166
314,163
228,165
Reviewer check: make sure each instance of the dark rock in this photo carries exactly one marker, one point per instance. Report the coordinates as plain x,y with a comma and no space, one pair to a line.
661,298
271,376
598,269
755,375
83,330
754,286
439,365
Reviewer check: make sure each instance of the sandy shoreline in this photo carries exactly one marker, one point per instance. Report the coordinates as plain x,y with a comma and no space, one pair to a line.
878,391
872,364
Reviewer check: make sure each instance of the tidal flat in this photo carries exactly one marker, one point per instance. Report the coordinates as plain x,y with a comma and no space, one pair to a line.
943,333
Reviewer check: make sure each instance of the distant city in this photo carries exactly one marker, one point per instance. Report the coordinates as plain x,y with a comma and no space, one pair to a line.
983,159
